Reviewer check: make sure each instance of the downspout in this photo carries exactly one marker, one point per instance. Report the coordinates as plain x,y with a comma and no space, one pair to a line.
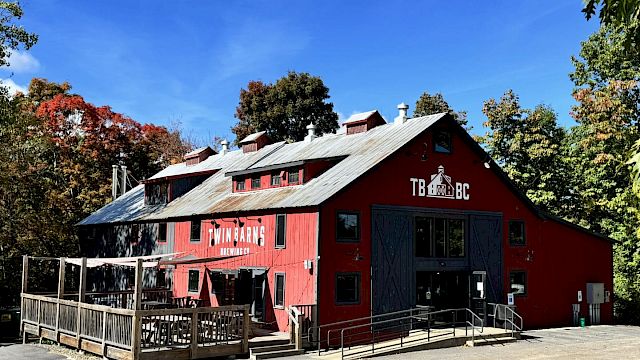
317,269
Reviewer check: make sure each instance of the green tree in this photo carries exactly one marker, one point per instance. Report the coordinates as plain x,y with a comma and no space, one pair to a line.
284,109
429,104
527,143
617,13
12,35
608,115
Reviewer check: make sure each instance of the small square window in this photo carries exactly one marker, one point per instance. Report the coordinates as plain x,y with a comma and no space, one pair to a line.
194,280
518,283
276,179
442,141
135,233
239,184
348,227
281,230
293,176
279,285
195,231
162,232
347,288
516,232
255,183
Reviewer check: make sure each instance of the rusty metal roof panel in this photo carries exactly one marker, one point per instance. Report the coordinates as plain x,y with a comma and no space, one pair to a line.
361,152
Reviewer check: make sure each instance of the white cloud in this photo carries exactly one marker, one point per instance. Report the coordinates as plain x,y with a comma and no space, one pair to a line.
23,62
12,86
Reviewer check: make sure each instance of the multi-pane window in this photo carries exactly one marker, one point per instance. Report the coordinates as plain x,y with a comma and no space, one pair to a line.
279,285
442,141
348,227
162,232
347,288
194,280
518,282
439,237
293,176
156,194
255,183
281,230
276,178
516,232
195,231
239,184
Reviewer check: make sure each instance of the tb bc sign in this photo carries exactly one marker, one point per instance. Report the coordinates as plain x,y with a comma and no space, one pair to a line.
440,186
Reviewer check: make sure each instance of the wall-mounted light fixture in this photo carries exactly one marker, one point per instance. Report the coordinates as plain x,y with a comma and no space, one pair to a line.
424,156
215,224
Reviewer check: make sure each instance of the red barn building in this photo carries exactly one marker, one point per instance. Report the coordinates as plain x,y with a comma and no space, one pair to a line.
378,218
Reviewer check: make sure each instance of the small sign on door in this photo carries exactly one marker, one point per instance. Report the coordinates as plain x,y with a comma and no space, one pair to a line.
579,295
510,299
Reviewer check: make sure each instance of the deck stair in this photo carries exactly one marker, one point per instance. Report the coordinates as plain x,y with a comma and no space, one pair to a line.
274,351
498,339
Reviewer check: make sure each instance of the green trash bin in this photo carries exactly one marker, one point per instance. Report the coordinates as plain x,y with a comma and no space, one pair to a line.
582,322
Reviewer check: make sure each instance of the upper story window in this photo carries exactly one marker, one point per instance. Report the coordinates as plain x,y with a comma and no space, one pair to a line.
442,141
516,232
195,231
276,178
281,230
293,176
348,226
518,283
439,237
156,194
255,183
162,232
239,184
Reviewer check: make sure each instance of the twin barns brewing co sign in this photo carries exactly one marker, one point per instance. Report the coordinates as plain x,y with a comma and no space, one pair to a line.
440,186
236,240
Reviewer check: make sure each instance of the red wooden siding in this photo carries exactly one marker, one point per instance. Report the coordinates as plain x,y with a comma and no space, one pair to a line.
569,257
300,246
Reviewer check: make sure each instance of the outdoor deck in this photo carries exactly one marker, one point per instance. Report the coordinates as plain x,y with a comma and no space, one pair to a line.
187,333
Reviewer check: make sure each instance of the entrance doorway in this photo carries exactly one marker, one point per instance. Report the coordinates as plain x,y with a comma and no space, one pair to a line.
442,289
240,287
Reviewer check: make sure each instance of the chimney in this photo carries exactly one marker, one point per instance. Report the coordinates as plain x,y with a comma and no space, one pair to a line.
114,182
402,114
225,146
312,132
123,188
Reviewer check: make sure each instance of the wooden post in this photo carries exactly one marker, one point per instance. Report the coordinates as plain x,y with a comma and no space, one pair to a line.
104,334
194,334
81,297
299,331
25,277
246,327
136,332
137,290
60,293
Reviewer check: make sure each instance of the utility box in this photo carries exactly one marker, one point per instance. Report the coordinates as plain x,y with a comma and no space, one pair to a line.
595,293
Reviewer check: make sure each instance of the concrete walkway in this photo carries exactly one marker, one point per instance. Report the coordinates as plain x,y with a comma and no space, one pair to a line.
28,352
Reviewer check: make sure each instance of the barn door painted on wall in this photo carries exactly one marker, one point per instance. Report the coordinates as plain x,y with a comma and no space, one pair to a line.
486,253
391,262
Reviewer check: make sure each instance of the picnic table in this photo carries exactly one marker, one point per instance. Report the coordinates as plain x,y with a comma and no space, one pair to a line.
153,304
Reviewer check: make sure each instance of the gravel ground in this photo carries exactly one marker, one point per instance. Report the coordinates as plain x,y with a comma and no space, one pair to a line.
41,352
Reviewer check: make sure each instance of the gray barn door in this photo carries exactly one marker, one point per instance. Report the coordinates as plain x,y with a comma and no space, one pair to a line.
391,262
486,253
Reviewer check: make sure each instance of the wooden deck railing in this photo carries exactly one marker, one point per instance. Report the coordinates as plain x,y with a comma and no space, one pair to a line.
138,334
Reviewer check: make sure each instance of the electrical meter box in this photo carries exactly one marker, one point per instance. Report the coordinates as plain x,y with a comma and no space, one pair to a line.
595,293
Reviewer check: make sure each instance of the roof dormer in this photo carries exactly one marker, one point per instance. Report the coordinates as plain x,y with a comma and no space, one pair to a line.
254,142
198,155
362,122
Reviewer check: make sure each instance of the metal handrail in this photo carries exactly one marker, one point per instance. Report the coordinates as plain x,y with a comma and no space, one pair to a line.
507,319
319,327
428,315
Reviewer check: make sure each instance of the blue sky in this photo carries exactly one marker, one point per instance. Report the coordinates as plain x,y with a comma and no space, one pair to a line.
162,61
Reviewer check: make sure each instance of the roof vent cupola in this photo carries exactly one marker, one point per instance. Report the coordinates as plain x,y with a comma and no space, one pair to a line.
254,142
225,146
312,133
198,155
362,122
402,114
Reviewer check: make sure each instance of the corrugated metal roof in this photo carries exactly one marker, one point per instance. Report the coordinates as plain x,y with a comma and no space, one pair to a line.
128,207
362,151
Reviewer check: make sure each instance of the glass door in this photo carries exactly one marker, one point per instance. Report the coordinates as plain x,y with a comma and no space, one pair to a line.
478,294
